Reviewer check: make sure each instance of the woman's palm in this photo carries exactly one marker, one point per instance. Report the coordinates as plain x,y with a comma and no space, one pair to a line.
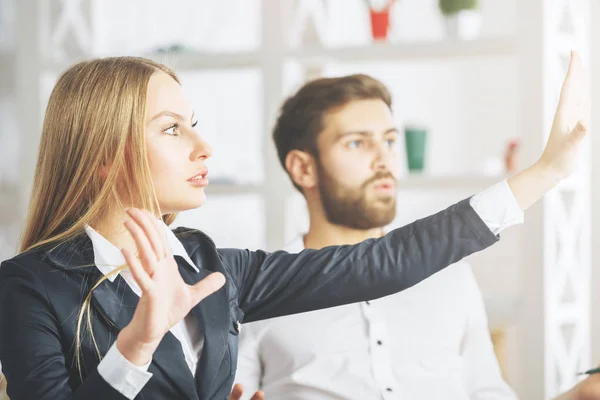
166,299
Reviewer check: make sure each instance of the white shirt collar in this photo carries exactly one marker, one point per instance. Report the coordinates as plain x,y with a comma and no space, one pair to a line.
108,257
296,245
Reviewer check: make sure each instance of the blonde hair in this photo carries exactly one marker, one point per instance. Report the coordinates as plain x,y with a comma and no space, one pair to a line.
94,122
3,395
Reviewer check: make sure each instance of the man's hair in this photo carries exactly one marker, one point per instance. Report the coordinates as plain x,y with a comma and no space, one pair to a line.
302,116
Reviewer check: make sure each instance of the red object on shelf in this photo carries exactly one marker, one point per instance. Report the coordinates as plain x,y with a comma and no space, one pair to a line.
380,20
510,155
380,23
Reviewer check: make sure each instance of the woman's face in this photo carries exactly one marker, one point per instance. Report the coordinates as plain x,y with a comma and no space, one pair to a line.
176,152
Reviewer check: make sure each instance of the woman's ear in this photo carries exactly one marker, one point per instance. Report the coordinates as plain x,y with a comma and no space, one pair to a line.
302,168
103,172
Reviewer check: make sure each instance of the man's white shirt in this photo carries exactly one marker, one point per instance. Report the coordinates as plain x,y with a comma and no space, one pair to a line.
428,342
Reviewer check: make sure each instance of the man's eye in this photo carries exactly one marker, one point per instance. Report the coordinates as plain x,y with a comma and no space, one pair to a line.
355,144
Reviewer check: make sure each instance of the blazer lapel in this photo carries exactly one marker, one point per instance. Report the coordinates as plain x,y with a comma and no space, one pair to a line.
117,303
212,314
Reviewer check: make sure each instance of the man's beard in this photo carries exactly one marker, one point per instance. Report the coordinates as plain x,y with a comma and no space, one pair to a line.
350,206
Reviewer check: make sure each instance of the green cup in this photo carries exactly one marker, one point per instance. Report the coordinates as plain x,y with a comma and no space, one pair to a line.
416,140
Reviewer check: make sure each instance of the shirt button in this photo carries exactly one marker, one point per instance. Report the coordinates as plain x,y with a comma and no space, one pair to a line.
379,342
389,389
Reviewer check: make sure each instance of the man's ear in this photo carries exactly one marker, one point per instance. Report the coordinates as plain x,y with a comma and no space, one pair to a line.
302,168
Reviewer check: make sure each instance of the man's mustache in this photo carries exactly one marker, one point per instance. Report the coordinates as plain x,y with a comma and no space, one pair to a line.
379,176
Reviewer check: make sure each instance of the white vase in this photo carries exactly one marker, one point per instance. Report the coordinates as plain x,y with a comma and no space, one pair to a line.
464,25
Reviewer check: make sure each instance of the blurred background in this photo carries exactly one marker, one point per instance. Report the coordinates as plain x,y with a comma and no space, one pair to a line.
482,84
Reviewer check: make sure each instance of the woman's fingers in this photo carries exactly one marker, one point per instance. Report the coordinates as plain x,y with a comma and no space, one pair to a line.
160,228
137,270
207,286
258,396
144,221
236,392
145,251
574,101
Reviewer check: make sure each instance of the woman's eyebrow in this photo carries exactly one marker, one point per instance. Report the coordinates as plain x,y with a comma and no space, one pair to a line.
169,114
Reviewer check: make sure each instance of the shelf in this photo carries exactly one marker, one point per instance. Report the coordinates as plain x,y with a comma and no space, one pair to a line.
180,61
202,60
232,189
447,182
446,49
318,55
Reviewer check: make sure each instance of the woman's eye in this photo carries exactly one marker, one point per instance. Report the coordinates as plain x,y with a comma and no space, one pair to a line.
172,130
194,124
391,142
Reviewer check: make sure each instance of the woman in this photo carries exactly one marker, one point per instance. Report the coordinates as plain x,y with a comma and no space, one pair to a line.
105,301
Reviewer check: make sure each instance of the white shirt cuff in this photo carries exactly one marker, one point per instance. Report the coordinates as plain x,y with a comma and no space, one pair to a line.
125,377
497,207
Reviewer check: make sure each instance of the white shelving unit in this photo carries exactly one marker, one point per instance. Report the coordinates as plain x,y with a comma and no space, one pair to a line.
417,51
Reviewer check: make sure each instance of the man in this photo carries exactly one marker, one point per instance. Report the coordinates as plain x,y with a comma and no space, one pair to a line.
336,139
343,158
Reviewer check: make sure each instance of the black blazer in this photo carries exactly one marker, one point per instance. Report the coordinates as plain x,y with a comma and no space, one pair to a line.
41,292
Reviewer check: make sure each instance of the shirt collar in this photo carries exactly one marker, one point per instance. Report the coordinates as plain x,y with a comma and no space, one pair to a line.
108,257
296,245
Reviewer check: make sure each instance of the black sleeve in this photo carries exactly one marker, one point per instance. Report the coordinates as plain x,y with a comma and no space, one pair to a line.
279,283
31,354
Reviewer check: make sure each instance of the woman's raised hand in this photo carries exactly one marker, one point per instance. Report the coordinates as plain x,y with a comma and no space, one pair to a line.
166,299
